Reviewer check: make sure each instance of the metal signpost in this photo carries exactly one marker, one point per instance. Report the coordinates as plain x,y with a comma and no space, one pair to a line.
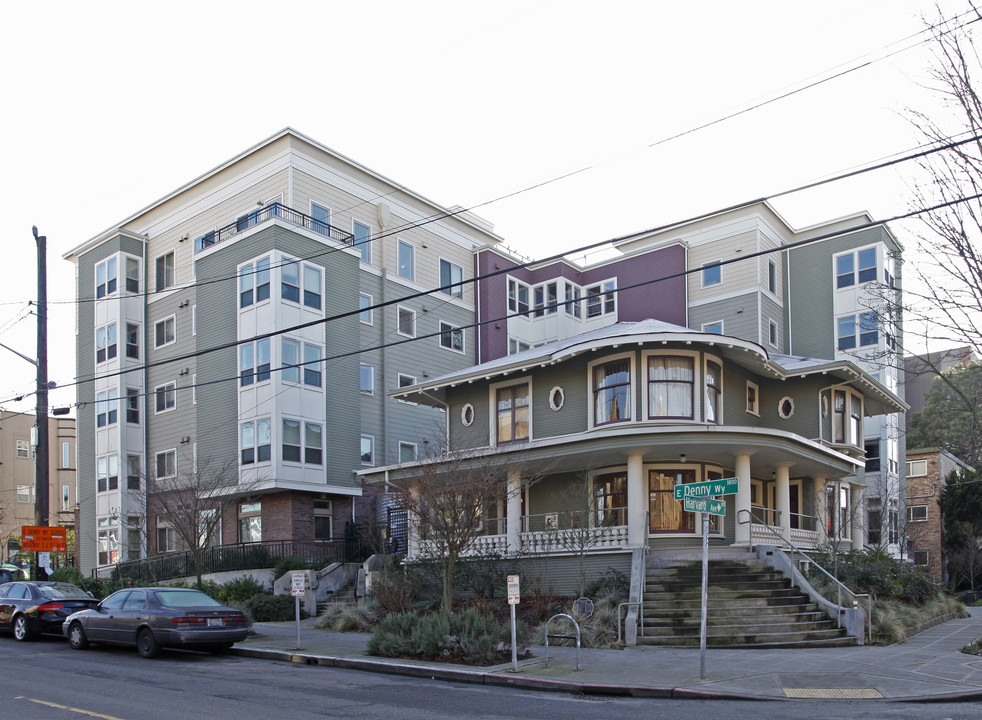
298,588
699,497
514,597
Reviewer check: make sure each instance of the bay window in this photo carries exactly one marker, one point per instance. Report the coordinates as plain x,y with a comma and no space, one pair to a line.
671,384
612,392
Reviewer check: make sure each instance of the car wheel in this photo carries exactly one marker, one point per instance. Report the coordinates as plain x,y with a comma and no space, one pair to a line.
77,637
22,628
147,644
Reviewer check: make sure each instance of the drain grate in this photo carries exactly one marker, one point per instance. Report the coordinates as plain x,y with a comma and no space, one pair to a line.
833,693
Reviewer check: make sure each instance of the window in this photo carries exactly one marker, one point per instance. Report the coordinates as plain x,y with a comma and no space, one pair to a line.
132,275
772,333
753,398
291,440
407,452
254,442
164,266
916,513
66,498
323,520
246,281
921,558
312,445
893,522
846,265
66,456
845,268
321,219
312,287
105,278
311,365
108,541
105,408
545,297
132,538
163,332
23,449
254,362
166,463
451,337
254,284
166,397
290,350
362,240
133,406
365,303
407,322
872,448
450,274
671,383
367,450
867,265
194,389
513,413
600,299
132,472
572,300
24,493
712,273
610,499
367,379
290,281
847,417
107,473
250,522
612,392
517,346
405,381
714,392
713,328
916,468
133,341
772,276
518,297
868,330
105,343
407,260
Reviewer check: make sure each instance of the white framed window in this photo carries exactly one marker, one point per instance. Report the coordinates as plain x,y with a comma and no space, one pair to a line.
753,398
23,493
66,456
105,343
365,303
865,323
250,522
407,321
66,498
772,276
772,336
367,379
254,282
921,558
323,520
164,271
164,332
916,468
612,390
23,449
545,298
254,362
367,450
320,216
291,440
512,407
194,389
713,381
166,463
132,275
108,541
451,273
712,273
601,299
713,328
407,451
312,371
165,397
917,513
313,444
133,341
451,337
290,360
106,408
133,406
107,473
133,472
290,281
572,300
518,297
255,442
671,385
855,267
847,417
313,283
517,346
362,240
406,260
404,380
105,278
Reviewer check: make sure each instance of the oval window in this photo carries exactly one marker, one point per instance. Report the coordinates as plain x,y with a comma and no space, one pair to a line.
556,398
467,414
785,408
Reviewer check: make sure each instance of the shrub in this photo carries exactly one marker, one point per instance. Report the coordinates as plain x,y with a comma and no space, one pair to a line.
468,637
267,607
881,576
286,564
611,583
342,617
240,589
394,592
393,636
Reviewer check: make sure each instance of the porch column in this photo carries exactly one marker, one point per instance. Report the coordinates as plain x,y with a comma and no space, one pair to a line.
412,529
821,507
637,502
742,467
782,498
513,513
858,530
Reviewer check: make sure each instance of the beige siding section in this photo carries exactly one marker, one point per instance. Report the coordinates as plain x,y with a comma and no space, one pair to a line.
735,276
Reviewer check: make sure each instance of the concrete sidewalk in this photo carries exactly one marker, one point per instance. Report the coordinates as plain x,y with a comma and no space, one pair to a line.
927,667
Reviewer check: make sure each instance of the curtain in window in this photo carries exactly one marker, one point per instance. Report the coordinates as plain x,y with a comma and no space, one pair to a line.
611,383
670,383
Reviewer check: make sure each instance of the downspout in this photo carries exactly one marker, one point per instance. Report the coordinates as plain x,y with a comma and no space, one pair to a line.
383,365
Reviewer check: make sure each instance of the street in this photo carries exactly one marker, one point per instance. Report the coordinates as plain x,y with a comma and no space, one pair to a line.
46,680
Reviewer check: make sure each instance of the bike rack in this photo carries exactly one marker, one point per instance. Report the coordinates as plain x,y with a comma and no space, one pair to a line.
564,637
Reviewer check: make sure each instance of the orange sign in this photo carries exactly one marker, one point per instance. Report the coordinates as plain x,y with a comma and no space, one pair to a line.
43,538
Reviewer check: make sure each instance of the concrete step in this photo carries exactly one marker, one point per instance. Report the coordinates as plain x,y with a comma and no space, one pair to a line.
777,612
751,626
755,640
770,597
731,584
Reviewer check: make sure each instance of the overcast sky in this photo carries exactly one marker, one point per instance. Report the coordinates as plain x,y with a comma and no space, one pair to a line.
109,106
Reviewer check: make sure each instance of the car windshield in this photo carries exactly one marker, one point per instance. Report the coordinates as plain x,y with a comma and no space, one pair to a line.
185,599
62,590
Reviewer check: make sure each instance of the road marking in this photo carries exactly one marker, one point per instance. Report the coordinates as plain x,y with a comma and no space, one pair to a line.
837,693
70,709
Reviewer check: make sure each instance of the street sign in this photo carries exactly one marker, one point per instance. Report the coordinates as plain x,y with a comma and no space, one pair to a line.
42,538
704,505
710,488
514,596
298,585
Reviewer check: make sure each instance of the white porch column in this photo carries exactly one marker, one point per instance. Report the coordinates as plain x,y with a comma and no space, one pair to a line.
821,507
513,513
637,502
412,529
858,530
742,466
782,498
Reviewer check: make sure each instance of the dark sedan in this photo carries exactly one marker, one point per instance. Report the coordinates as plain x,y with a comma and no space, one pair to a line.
28,608
158,617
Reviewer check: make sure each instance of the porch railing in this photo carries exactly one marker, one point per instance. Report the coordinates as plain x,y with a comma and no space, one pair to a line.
575,531
273,210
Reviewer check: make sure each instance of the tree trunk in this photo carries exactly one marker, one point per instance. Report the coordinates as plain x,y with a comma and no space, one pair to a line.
448,571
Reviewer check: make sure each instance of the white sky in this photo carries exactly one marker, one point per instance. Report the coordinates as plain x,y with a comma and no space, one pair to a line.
111,105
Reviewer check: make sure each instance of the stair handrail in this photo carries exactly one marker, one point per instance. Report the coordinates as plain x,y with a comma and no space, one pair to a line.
840,587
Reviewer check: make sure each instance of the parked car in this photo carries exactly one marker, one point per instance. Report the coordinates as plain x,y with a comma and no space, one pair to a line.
28,608
158,617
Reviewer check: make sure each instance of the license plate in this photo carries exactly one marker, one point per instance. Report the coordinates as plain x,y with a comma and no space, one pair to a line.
216,622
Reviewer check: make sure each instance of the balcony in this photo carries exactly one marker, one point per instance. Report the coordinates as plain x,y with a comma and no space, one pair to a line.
273,210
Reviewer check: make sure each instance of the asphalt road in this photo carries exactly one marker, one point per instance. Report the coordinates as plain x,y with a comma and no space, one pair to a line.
47,680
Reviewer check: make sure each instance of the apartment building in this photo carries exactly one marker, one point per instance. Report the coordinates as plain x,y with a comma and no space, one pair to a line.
258,316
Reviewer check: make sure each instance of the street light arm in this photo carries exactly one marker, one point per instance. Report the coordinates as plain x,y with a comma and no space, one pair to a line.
32,362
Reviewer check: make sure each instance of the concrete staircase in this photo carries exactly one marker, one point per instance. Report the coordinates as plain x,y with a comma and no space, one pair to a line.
750,605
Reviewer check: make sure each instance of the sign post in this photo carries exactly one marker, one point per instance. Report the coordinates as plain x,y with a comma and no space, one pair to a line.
298,588
514,597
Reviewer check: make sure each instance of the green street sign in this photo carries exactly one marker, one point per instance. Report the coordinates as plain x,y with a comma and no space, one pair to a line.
710,488
704,505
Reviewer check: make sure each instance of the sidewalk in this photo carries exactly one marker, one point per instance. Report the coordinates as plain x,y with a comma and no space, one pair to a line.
928,666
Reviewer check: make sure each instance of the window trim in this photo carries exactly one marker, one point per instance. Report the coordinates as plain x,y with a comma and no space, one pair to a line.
364,248
156,462
704,327
753,407
371,369
114,281
592,390
911,514
918,463
493,389
706,267
458,291
400,309
369,310
400,244
165,280
407,444
449,330
399,386
517,306
696,384
773,333
163,321
706,359
371,450
156,393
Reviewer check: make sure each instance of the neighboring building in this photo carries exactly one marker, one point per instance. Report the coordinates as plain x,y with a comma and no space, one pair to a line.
17,476
921,370
203,335
635,409
928,470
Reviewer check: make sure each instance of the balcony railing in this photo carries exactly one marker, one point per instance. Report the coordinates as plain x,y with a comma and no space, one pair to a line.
273,210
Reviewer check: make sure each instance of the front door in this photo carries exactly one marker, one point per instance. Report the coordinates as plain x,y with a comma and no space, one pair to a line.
666,513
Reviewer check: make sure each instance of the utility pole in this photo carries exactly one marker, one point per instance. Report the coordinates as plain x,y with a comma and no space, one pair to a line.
41,482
